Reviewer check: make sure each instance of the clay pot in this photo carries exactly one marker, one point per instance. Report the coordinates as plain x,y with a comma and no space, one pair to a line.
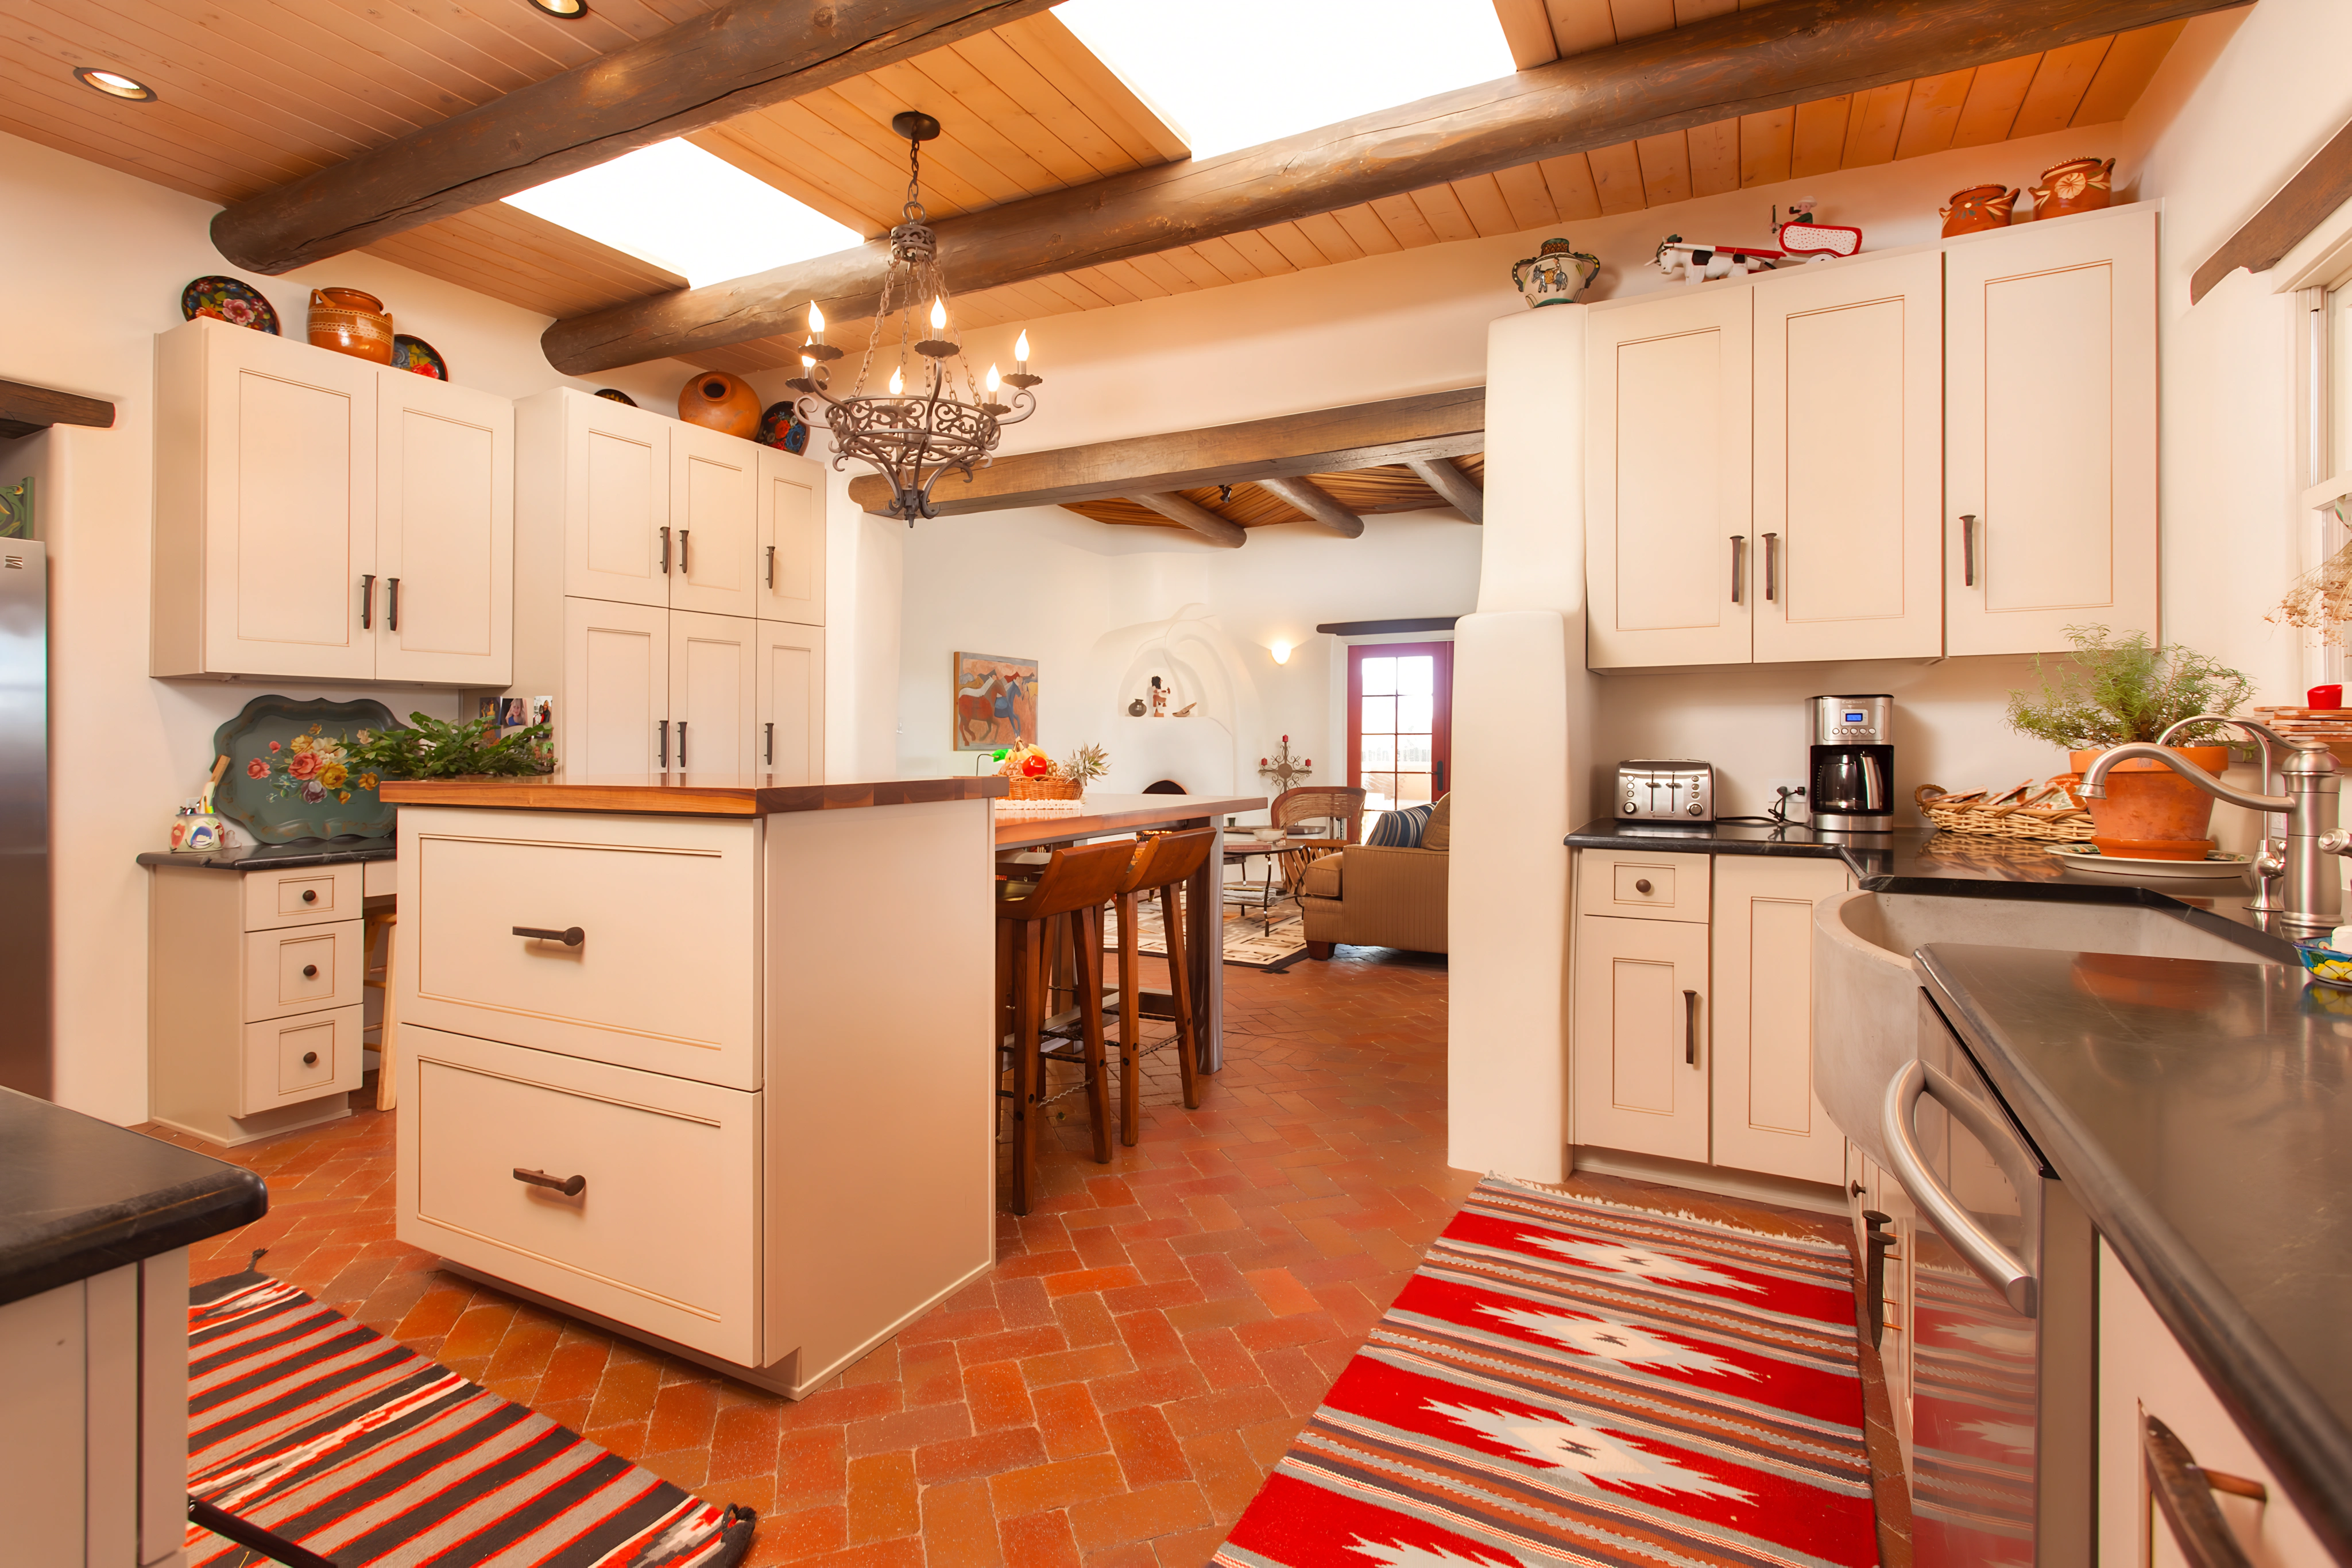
2078,186
350,322
720,402
1978,207
2151,813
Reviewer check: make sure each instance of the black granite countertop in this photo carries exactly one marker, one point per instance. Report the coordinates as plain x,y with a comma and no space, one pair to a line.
279,857
79,1197
2201,1113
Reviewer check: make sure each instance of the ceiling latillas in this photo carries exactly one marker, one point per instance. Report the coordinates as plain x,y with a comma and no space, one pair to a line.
1367,491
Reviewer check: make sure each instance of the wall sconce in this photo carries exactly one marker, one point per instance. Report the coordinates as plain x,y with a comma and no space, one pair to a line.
1281,652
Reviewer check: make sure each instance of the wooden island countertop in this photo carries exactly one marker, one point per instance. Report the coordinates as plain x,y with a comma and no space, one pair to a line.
684,795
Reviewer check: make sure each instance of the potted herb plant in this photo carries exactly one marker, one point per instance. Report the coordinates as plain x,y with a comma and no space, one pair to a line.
437,748
2121,687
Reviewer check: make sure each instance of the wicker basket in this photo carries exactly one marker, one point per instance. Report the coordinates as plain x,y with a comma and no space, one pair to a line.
1045,789
2043,814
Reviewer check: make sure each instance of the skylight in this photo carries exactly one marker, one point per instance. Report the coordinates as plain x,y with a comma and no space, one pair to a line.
1234,73
696,214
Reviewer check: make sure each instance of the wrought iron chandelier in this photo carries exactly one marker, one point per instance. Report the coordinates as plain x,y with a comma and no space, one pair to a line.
913,436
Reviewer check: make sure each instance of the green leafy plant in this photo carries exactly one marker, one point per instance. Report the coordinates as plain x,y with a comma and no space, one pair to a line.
436,748
2121,687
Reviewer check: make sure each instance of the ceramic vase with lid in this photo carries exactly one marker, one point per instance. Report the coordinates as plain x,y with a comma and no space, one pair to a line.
720,402
1978,208
1556,274
2077,185
351,321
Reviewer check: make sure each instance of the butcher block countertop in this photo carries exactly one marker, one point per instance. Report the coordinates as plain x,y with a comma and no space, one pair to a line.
691,795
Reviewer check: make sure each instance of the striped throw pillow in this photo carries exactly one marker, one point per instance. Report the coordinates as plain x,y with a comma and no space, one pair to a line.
1400,830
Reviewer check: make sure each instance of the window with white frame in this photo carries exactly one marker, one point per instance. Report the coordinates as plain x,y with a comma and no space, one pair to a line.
2328,457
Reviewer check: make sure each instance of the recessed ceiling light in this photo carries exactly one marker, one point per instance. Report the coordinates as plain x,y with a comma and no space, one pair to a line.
114,84
565,10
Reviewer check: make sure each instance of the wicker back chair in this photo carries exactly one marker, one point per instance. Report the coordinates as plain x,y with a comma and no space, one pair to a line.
1322,802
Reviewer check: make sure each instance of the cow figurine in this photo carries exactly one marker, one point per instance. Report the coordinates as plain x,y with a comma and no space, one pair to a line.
1801,236
1699,263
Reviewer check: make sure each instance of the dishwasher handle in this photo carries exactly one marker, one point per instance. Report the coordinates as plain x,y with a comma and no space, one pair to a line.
2010,1279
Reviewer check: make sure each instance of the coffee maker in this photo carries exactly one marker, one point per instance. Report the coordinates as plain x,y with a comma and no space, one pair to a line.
1853,785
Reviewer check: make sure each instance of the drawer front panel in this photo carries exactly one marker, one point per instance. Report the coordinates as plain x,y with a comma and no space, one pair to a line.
301,969
311,895
664,976
1642,885
290,1060
661,1234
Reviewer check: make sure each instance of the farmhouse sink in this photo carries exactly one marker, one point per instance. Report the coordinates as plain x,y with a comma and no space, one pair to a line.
1866,994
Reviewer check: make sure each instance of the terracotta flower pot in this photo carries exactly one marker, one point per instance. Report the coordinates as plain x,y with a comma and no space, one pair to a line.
720,402
351,321
2151,813
2079,185
1978,207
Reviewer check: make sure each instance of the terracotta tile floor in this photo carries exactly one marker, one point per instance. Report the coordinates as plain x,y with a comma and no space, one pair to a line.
1112,1396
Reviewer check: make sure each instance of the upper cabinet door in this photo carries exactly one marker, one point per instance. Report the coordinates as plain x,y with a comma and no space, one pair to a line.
791,538
445,533
1669,561
2050,432
289,492
714,510
713,678
613,720
790,735
616,501
1849,461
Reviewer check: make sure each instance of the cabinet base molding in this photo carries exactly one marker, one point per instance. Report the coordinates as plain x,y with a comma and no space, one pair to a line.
230,1130
787,1377
1814,1197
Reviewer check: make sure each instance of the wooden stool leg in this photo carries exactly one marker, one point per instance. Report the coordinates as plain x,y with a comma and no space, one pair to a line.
1131,1026
1174,906
387,1080
1085,927
1030,974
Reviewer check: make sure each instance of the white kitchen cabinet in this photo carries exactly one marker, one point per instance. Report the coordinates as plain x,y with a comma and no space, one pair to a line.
791,538
1849,372
715,510
2050,432
1669,473
445,533
1766,1116
713,691
612,717
602,470
791,696
1641,1016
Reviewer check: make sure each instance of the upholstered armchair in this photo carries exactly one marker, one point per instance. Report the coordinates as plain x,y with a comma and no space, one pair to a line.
1377,896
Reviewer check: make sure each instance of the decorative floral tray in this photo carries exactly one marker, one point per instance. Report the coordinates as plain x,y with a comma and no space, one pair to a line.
287,777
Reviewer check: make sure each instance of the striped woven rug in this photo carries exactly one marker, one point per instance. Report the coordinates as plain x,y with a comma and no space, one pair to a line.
327,1433
1570,1382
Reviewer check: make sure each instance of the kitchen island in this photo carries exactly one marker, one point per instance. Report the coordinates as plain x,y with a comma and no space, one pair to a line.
704,1059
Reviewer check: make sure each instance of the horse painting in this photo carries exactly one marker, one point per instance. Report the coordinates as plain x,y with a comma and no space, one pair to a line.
996,702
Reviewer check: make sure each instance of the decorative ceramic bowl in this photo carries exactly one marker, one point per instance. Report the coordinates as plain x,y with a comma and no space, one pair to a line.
2326,965
418,357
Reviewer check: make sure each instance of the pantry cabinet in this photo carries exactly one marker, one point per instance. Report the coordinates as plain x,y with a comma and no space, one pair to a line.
321,518
602,468
715,499
792,538
713,683
791,697
612,714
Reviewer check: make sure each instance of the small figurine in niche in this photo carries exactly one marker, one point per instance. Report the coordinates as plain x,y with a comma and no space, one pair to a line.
1159,699
1699,263
1800,235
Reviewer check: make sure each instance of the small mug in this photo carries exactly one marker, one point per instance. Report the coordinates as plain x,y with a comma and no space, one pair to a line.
2325,697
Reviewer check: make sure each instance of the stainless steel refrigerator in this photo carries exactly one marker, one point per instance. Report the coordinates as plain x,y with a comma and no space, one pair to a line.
25,1060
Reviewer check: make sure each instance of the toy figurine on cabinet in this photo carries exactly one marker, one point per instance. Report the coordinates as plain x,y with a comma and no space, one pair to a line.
1700,263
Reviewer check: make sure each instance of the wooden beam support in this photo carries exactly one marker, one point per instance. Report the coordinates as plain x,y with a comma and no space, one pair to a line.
1317,504
1736,63
1195,516
747,55
1326,441
2318,188
26,409
1454,487
1383,628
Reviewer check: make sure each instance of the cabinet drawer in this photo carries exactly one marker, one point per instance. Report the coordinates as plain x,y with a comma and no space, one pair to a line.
1643,885
665,975
290,1060
312,896
662,1233
302,969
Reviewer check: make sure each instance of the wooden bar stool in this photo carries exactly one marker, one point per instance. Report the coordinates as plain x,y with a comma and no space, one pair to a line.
373,923
1071,890
1163,864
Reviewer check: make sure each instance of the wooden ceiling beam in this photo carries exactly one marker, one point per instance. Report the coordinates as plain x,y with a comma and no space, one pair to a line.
1317,503
1177,509
1741,62
2318,188
1454,487
1324,441
747,54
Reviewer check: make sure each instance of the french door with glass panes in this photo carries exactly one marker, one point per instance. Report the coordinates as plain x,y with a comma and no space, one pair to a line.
1399,722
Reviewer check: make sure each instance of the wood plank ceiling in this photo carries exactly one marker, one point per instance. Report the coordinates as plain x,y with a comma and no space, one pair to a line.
1392,487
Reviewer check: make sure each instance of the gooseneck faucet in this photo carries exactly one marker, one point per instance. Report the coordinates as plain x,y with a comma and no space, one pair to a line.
2315,893
2270,854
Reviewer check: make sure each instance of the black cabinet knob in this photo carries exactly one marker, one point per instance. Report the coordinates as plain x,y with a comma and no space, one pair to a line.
310,971
309,1058
310,895
1643,885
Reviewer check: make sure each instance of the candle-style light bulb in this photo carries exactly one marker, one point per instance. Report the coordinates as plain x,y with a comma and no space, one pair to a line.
939,314
816,321
995,380
1020,351
898,382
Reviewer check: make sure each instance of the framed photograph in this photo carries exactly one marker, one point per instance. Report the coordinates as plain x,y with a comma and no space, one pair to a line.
996,701
514,714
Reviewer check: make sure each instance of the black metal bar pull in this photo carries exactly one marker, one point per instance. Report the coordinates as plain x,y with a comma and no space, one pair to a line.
569,1187
392,603
664,543
1690,1028
367,607
571,935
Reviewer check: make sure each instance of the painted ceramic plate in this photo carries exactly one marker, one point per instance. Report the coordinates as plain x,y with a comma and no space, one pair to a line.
418,357
230,299
2215,867
286,778
783,427
616,395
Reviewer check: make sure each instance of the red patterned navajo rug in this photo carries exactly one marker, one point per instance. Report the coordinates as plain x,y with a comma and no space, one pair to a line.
1565,1381
327,1433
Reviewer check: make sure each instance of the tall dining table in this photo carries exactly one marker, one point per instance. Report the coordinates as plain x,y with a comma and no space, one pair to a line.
1106,816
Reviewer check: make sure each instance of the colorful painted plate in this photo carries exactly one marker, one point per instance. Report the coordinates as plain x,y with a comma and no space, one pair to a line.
616,395
782,426
287,778
419,357
2215,867
230,299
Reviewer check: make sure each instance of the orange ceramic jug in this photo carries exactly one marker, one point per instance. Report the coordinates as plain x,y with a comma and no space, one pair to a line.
2078,186
351,321
721,403
1978,207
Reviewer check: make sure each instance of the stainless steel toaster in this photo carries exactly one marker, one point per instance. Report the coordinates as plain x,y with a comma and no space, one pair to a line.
1674,789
